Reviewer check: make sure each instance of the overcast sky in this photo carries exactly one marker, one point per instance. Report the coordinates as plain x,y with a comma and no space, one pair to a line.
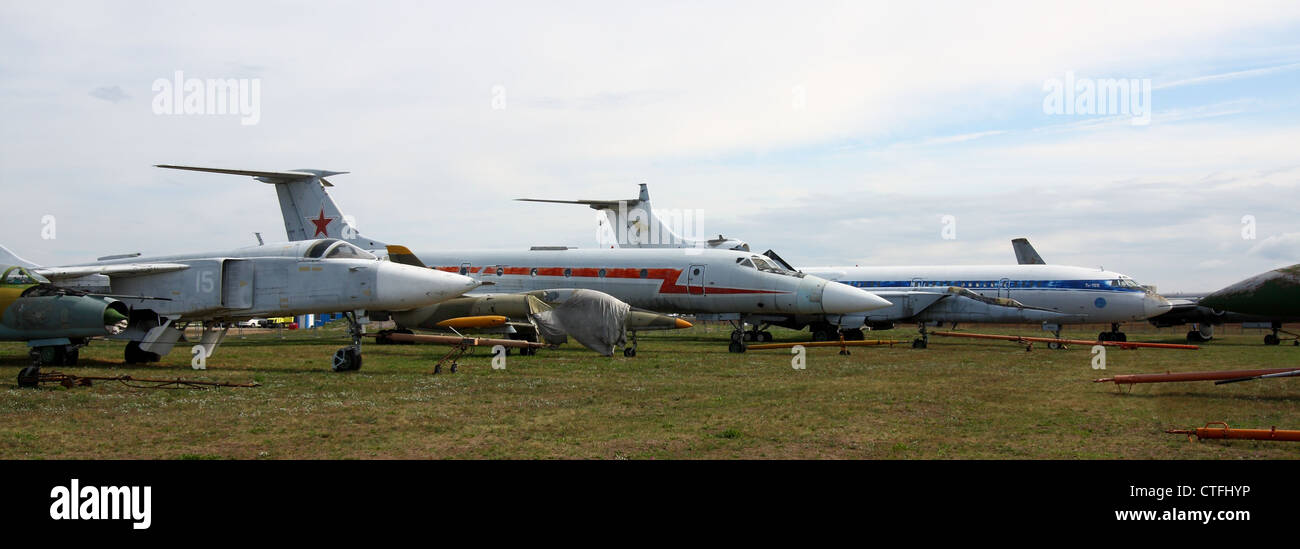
836,133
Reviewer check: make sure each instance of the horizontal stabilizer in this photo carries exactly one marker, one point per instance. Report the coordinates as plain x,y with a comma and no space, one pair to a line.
268,176
594,204
9,258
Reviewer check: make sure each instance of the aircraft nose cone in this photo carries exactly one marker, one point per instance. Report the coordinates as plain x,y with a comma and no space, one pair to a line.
402,287
838,299
1156,305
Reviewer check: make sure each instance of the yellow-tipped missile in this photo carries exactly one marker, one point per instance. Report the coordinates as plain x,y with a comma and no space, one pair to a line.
473,322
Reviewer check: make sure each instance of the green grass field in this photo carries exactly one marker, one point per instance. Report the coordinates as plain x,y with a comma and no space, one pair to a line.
684,396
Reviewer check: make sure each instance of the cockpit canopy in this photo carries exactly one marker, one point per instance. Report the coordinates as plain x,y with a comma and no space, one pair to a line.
765,265
1126,283
20,276
333,248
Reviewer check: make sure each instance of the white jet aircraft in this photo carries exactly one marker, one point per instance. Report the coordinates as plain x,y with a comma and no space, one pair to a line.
735,286
1026,293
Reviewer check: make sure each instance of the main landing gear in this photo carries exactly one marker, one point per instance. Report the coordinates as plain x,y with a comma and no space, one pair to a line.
629,351
828,332
1113,335
136,355
758,335
1200,333
348,358
1273,339
923,341
740,336
1056,345
49,355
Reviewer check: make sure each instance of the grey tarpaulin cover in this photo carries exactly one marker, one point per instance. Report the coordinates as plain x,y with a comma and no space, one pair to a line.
595,319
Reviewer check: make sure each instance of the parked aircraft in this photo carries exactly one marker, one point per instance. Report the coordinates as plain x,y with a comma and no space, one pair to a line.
735,286
55,322
1053,295
165,293
1244,306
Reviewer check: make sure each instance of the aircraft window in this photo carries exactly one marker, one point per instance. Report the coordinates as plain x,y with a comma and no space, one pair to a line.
601,273
769,267
464,270
19,275
532,272
500,271
568,272
343,250
695,272
317,250
645,273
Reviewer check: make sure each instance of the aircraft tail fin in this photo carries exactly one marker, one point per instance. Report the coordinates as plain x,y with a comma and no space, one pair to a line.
1025,253
8,258
632,223
306,207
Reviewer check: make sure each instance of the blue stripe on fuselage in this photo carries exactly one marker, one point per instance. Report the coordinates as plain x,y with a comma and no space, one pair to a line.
1095,285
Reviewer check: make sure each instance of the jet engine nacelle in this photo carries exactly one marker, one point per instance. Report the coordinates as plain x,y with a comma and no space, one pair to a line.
63,316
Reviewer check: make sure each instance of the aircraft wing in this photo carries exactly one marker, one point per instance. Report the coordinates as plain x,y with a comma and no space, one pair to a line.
122,270
958,293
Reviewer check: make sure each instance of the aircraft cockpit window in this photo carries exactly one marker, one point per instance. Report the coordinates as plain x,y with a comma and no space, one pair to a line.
744,262
317,250
19,275
1127,283
343,250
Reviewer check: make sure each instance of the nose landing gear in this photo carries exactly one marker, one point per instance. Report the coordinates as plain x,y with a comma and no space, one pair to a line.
348,359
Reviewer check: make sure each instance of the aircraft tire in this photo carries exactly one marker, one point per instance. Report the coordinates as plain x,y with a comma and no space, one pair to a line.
629,352
29,376
1271,339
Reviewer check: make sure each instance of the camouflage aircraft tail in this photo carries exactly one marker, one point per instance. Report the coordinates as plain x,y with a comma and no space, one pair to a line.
307,208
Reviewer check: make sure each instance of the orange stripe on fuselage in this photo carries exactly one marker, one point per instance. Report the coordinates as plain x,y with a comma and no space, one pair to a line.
667,277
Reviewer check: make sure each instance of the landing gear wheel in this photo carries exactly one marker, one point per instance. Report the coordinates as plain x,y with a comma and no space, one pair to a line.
346,359
919,344
765,336
854,335
749,336
437,368
29,376
1104,336
736,347
1195,336
136,355
1271,339
453,367
629,352
1054,346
